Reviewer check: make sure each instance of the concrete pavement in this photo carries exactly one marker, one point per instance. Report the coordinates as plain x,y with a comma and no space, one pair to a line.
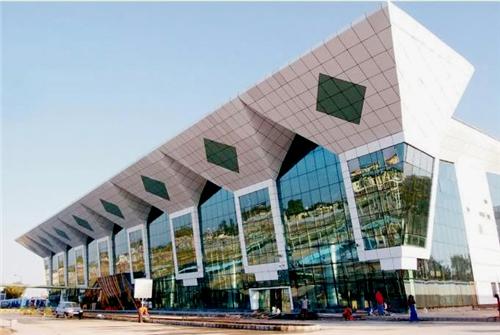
27,325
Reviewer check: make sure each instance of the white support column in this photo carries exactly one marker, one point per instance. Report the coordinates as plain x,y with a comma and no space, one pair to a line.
190,278
267,271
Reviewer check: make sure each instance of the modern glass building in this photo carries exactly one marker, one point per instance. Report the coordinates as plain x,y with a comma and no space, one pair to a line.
341,174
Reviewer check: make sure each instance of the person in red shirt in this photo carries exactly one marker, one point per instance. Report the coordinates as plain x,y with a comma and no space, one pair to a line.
379,298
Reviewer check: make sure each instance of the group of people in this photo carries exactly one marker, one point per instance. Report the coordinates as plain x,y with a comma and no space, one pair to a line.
381,307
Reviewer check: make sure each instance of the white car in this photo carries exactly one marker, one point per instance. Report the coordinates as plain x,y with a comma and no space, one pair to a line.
68,309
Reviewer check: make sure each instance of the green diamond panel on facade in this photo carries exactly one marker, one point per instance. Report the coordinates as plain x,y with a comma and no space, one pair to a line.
62,233
155,187
340,98
112,208
222,155
82,223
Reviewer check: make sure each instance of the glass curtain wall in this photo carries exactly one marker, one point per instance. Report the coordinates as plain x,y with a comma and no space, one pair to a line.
184,243
104,266
160,247
93,262
71,268
162,262
322,257
122,261
80,266
46,266
258,228
392,190
55,272
221,252
137,253
445,279
60,269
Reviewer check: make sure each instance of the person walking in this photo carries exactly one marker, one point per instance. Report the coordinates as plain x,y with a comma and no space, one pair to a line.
379,298
304,307
413,308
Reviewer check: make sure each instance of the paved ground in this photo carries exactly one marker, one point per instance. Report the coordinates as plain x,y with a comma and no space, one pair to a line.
36,325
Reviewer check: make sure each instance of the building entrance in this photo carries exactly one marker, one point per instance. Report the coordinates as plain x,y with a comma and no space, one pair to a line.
264,299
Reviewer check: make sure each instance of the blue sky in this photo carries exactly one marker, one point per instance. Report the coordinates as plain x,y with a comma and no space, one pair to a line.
89,88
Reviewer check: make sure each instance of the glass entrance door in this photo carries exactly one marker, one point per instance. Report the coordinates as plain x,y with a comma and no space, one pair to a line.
264,299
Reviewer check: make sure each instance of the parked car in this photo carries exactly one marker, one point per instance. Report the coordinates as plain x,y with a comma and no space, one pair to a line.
68,309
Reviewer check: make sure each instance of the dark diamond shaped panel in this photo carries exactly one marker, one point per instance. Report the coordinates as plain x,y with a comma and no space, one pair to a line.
82,223
222,155
340,98
62,233
155,187
112,208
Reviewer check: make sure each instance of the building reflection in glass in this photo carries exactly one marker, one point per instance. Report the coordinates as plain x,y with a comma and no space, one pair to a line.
221,250
122,262
55,273
258,228
184,243
60,269
103,258
93,262
445,279
322,257
137,253
392,190
71,267
160,243
80,267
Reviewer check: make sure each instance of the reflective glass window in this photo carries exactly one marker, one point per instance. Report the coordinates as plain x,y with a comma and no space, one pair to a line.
80,266
160,245
221,249
104,265
449,268
392,190
137,253
122,261
93,262
60,269
184,243
55,273
258,228
71,268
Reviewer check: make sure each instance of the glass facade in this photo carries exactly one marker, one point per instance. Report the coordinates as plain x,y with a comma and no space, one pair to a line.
104,266
60,270
121,253
494,186
221,251
160,248
55,273
445,279
137,253
80,266
71,268
322,257
392,189
258,228
93,262
184,243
